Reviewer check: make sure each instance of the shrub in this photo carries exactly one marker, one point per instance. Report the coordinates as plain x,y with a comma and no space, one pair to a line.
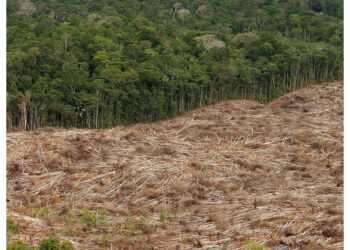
105,241
18,245
93,218
50,244
163,217
47,244
251,245
38,211
11,227
317,144
66,245
129,225
54,244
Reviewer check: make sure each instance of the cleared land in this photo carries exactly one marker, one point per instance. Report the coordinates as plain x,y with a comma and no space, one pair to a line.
211,179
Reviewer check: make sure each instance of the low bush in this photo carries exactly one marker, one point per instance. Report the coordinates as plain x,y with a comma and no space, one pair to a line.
50,243
251,245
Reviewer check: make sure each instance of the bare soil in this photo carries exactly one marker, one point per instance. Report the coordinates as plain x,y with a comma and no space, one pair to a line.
213,178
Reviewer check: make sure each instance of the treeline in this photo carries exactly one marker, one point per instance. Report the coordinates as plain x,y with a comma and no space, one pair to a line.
96,64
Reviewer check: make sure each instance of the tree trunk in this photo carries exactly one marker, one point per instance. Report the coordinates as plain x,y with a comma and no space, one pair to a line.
201,97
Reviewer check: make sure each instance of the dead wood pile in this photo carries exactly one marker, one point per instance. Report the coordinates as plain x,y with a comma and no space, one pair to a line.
211,179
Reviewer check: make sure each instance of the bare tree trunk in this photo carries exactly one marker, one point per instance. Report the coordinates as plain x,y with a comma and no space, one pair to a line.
201,97
96,119
9,120
25,115
65,43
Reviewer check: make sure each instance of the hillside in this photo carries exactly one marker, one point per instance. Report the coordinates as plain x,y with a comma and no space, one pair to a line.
210,179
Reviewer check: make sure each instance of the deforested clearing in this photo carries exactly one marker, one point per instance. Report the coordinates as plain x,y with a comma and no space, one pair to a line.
215,178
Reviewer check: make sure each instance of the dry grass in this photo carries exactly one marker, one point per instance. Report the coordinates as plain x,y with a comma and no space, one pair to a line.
211,179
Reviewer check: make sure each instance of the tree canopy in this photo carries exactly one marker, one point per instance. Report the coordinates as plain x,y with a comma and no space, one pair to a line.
95,64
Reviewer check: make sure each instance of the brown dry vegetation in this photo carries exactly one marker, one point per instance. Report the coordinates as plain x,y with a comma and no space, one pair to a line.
210,179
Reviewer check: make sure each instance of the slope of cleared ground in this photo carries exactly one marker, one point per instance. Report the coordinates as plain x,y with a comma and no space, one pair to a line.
211,179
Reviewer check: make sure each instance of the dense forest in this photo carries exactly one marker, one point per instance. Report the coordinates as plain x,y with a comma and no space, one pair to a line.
99,63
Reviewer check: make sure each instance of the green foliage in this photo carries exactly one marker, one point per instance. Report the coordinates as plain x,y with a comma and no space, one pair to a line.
162,217
46,244
251,245
11,227
93,218
148,247
105,241
19,246
55,244
317,144
129,225
97,64
40,212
